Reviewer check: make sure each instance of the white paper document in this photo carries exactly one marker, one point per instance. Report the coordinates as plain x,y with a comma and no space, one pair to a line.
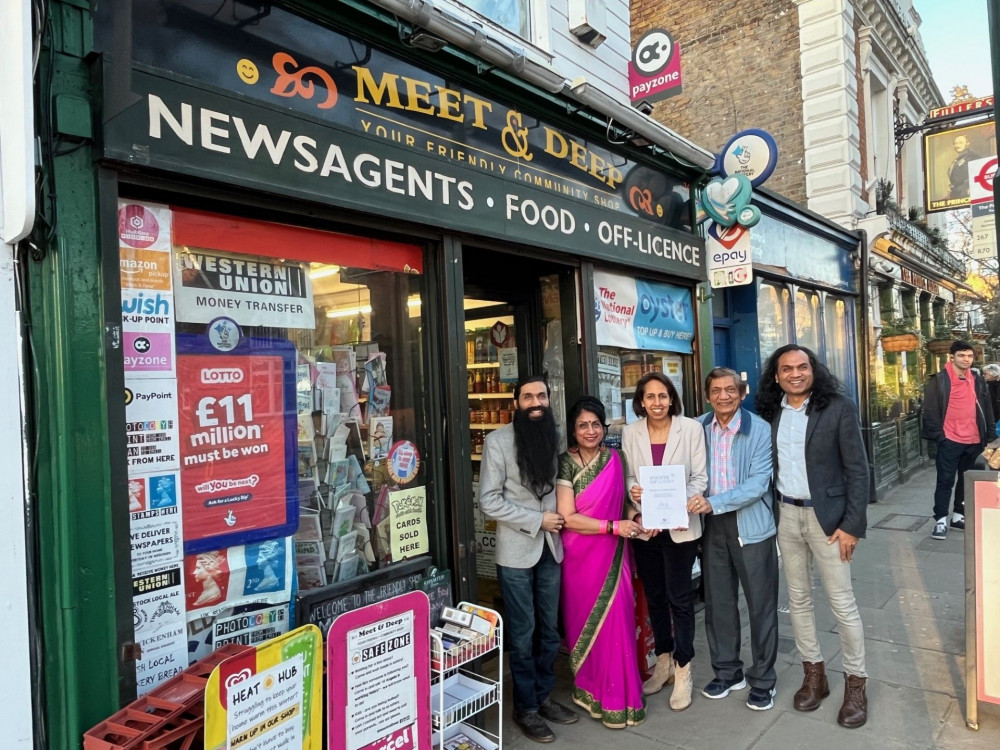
664,497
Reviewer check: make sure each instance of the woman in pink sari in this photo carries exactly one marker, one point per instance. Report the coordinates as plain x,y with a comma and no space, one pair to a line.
597,601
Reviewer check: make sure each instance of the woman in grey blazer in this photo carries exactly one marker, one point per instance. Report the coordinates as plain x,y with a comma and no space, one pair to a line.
663,437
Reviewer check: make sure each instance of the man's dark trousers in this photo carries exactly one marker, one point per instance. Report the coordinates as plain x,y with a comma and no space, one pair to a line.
953,459
726,564
531,629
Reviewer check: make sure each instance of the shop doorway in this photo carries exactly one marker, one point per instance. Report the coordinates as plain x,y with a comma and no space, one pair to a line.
521,319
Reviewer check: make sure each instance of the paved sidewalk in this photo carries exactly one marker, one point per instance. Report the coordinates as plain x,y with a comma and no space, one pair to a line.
910,589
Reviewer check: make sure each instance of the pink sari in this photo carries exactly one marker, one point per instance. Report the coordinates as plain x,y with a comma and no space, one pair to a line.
597,600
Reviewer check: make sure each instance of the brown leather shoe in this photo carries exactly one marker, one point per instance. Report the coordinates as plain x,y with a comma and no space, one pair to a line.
854,712
814,687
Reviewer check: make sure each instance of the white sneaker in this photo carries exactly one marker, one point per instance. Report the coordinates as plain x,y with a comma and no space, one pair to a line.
940,529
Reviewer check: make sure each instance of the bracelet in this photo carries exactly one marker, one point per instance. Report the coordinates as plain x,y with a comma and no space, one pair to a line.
608,528
615,526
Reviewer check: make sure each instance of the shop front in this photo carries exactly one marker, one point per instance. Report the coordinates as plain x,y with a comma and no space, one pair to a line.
318,267
805,291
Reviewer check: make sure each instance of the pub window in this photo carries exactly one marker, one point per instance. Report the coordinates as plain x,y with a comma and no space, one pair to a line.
512,15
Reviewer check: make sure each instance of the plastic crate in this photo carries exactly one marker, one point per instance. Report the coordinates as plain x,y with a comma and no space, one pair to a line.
168,717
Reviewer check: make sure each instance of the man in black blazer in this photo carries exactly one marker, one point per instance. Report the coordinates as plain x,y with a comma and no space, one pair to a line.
821,489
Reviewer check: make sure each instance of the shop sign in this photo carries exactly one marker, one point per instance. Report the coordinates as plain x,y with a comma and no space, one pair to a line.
250,628
216,136
251,291
258,573
322,606
982,173
151,425
154,520
408,523
730,258
238,428
638,314
158,621
947,154
972,106
378,676
752,153
654,72
270,697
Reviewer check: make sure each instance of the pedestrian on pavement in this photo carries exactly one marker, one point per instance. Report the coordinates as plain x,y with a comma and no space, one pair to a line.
821,489
991,373
598,604
958,417
738,548
517,490
662,437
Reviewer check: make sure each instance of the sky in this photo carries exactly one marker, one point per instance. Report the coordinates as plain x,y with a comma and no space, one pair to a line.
956,36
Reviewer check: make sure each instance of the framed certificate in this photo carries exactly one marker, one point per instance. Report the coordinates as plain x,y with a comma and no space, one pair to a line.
664,497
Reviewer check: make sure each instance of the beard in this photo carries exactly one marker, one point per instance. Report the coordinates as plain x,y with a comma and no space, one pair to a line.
537,446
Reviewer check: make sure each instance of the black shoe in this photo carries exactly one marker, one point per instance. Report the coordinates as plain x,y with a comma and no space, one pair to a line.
534,727
719,688
557,712
959,524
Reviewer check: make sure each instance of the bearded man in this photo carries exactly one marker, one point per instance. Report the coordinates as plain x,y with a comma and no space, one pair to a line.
517,489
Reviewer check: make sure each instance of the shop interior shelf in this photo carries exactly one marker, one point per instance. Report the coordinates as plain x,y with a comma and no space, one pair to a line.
482,365
508,395
485,426
464,694
477,456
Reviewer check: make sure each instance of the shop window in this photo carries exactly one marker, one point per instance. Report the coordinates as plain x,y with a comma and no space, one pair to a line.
274,424
513,15
772,315
807,323
837,339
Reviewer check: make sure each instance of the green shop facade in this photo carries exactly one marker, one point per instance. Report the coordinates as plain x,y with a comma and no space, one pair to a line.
291,268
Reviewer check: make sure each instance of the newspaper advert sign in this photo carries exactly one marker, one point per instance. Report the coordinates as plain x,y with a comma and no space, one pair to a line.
237,418
730,260
154,520
981,175
268,698
379,676
158,618
151,425
253,292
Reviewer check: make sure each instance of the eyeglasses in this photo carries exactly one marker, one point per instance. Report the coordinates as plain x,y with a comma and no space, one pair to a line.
730,391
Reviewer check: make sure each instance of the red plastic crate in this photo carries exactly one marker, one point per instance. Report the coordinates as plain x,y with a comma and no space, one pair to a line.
168,717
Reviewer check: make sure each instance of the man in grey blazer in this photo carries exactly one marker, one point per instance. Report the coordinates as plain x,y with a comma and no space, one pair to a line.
517,489
821,490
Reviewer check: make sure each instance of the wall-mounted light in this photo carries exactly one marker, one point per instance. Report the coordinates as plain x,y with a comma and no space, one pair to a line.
321,272
423,39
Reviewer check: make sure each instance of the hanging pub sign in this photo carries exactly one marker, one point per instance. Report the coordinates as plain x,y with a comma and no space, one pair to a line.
947,154
288,107
238,452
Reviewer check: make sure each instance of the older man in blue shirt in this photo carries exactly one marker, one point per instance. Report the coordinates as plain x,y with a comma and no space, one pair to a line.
738,548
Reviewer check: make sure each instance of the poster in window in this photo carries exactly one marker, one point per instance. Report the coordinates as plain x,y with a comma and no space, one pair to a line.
238,427
151,425
158,619
252,290
257,573
154,520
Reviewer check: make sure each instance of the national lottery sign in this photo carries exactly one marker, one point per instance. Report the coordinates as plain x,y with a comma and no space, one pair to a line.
237,421
638,314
